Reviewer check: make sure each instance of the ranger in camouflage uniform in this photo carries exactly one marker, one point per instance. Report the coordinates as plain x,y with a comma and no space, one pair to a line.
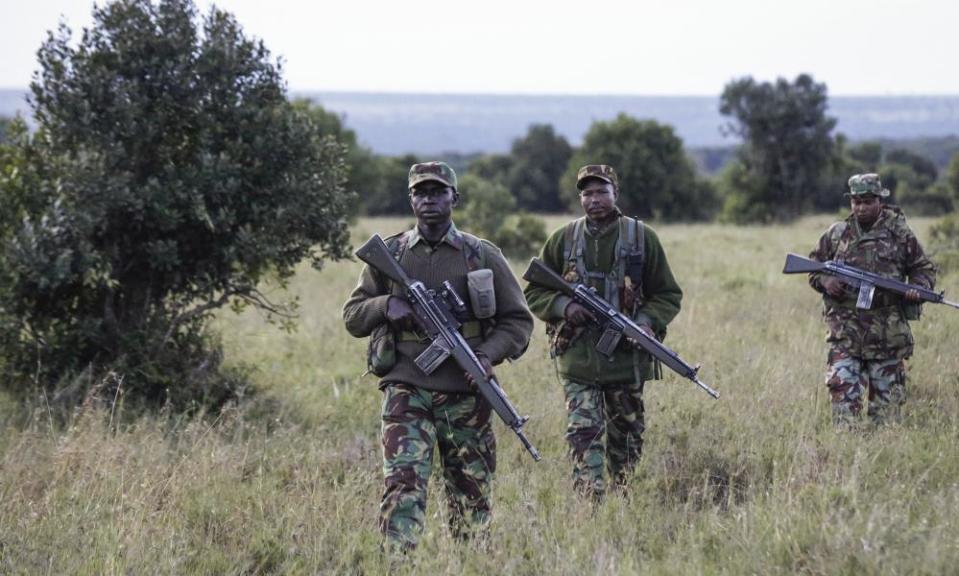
867,348
624,261
421,411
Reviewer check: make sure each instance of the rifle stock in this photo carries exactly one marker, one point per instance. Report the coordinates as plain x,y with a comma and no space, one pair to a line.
375,253
796,264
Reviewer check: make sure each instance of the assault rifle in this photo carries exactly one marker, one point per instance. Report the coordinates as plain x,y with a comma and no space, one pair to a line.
614,323
436,315
866,282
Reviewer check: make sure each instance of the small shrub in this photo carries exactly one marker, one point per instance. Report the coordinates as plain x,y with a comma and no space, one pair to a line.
489,211
944,246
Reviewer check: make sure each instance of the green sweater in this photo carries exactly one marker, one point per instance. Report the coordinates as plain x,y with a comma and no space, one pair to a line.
661,300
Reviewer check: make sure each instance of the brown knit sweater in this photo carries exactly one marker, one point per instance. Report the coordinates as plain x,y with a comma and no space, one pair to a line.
366,308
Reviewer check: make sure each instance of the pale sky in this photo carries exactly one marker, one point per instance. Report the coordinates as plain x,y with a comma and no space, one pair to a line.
648,47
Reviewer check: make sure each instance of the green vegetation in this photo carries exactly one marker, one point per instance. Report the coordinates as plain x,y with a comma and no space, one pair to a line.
944,246
169,176
489,211
758,482
656,178
5,125
787,146
532,169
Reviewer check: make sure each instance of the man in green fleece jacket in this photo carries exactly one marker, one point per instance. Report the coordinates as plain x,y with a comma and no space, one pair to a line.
624,261
441,409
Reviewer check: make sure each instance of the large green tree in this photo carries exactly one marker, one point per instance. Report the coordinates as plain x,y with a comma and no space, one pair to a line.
539,159
787,146
380,182
657,179
174,177
531,170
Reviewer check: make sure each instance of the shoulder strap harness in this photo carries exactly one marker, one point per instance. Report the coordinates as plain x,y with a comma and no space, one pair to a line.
629,257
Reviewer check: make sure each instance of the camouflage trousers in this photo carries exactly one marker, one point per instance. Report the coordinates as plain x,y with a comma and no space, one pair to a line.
592,413
416,420
848,378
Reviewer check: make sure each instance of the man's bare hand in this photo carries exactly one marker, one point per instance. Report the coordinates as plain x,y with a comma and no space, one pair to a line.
400,315
833,286
912,295
576,315
487,367
647,330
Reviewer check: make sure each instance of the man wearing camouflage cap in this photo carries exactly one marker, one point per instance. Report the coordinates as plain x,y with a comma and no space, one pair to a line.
868,348
624,261
441,409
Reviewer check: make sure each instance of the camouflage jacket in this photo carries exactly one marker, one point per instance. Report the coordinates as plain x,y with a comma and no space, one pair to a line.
888,247
660,302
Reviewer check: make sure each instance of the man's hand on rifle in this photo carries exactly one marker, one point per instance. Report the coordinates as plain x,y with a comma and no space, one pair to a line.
912,295
400,314
833,286
576,315
647,330
487,367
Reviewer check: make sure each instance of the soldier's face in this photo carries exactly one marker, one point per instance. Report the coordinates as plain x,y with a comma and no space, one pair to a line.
432,202
866,208
598,199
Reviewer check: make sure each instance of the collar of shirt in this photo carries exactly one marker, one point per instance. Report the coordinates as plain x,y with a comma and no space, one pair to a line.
599,230
452,237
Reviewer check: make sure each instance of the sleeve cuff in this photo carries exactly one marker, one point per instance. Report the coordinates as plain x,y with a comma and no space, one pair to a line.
642,318
558,309
380,304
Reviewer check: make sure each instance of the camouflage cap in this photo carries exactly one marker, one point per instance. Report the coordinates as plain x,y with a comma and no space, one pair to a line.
865,184
437,171
601,171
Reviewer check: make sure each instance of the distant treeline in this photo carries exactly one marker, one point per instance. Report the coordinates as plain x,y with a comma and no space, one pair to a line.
791,162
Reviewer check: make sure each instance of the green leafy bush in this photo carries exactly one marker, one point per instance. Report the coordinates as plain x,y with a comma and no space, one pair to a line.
944,244
169,176
489,211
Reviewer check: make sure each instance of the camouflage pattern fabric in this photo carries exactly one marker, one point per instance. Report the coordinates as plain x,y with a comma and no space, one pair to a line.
414,421
863,184
890,248
436,171
602,171
592,412
848,379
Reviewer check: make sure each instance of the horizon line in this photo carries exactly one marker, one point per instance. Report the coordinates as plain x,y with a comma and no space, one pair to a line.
292,90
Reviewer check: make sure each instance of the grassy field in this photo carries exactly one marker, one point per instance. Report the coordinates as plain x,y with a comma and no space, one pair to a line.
758,482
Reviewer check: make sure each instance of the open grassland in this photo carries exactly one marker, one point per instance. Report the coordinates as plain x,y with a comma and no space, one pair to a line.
758,482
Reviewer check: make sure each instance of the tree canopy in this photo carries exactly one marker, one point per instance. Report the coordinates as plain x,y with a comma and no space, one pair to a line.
787,146
173,178
656,177
531,170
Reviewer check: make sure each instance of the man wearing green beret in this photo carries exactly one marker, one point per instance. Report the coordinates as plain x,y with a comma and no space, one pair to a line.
623,259
422,411
868,348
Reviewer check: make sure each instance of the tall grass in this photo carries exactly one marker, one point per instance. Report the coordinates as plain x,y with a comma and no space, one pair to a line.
758,482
